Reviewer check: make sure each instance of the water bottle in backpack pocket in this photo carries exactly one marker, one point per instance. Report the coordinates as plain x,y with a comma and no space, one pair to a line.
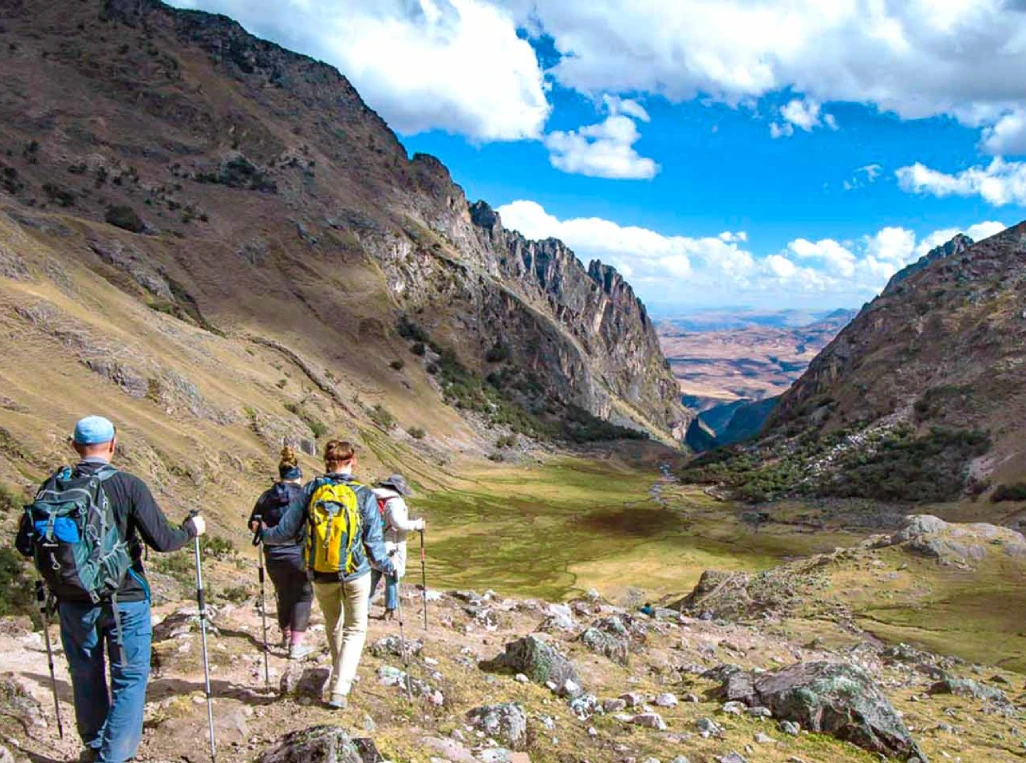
76,544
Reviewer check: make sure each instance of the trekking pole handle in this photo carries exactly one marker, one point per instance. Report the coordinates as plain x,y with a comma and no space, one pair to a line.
259,519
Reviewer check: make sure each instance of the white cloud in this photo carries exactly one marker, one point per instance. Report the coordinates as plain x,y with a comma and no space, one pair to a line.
916,58
804,113
999,183
680,271
863,176
604,150
1007,135
454,65
784,130
615,105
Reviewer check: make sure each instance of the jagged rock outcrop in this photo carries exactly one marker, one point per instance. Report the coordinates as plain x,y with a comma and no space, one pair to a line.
268,194
955,246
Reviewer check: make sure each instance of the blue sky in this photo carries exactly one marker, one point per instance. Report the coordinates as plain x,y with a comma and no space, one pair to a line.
739,152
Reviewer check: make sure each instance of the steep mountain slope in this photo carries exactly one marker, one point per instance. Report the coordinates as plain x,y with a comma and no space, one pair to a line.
919,399
214,240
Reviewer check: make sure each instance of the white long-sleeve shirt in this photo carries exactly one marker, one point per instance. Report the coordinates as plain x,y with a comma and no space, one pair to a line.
398,525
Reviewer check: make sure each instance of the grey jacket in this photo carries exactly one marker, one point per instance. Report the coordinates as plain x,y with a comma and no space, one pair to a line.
372,549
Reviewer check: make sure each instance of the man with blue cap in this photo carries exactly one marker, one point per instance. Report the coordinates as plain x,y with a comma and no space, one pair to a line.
110,717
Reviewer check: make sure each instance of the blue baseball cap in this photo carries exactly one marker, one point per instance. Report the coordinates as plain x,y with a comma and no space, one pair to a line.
93,430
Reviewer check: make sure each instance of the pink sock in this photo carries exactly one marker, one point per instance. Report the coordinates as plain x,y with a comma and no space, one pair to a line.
296,638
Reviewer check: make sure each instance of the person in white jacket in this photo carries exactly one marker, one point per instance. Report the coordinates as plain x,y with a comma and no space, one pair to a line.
397,524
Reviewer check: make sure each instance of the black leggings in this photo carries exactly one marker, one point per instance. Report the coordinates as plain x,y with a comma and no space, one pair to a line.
294,592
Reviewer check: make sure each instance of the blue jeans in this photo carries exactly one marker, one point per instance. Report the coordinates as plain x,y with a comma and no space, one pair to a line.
391,588
111,725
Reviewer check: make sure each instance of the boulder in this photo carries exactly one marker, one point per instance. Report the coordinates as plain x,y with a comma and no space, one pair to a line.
649,721
559,617
506,723
19,703
392,646
836,699
537,659
320,744
966,687
735,683
585,706
307,684
611,647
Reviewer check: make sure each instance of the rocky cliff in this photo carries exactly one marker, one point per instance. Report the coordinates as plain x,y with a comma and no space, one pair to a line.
249,191
919,399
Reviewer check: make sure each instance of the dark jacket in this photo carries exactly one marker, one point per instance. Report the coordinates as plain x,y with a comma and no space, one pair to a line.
139,520
271,507
372,549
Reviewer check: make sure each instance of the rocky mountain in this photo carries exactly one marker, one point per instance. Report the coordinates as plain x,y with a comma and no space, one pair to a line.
957,245
919,399
216,241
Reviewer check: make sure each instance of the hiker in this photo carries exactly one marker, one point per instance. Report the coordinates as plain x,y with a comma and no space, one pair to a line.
344,537
648,609
116,623
395,518
285,563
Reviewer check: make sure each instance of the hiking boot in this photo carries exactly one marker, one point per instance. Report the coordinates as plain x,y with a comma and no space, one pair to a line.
338,702
299,651
89,755
389,614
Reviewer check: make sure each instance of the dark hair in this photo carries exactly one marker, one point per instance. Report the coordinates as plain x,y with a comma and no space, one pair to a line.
338,453
288,467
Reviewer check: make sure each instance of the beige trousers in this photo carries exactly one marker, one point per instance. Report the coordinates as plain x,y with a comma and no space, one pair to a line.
345,608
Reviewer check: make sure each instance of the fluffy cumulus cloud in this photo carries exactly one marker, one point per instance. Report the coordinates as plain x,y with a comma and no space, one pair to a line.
803,113
999,183
916,58
604,150
685,271
455,65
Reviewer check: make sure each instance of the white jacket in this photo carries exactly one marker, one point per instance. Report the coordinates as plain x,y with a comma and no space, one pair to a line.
398,525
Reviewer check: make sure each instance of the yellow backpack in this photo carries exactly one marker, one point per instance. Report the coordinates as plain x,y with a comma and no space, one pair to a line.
335,527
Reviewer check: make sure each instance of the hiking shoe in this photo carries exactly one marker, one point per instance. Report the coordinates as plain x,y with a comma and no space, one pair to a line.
338,702
389,615
89,755
299,651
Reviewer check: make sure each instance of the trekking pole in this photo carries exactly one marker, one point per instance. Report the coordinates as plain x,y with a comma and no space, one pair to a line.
423,577
202,602
402,639
263,596
44,609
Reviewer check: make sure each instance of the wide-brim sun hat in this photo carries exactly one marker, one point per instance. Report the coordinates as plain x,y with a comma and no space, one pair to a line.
398,483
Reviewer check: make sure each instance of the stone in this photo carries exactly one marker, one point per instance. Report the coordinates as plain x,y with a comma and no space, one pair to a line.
680,759
506,723
558,618
570,689
19,703
837,699
760,712
633,699
731,757
614,705
791,728
585,706
733,708
538,660
666,700
612,648
391,646
649,721
967,687
763,738
317,744
309,683
708,728
5,755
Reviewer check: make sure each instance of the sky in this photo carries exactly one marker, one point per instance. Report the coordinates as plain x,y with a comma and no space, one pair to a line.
719,153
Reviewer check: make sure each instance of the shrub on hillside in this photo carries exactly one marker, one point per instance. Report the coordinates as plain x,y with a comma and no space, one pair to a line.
382,417
124,217
1015,491
416,433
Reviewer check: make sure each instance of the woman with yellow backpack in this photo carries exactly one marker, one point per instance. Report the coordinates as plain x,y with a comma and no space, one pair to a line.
343,538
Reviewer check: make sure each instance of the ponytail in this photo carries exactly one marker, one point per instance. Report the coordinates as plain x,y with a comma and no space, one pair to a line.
288,467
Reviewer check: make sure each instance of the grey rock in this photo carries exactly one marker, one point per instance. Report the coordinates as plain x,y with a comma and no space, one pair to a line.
791,728
666,700
614,705
967,687
760,712
649,721
558,618
318,744
5,755
585,706
506,723
19,703
733,708
307,683
680,759
708,728
538,660
763,738
840,700
633,699
391,646
731,757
